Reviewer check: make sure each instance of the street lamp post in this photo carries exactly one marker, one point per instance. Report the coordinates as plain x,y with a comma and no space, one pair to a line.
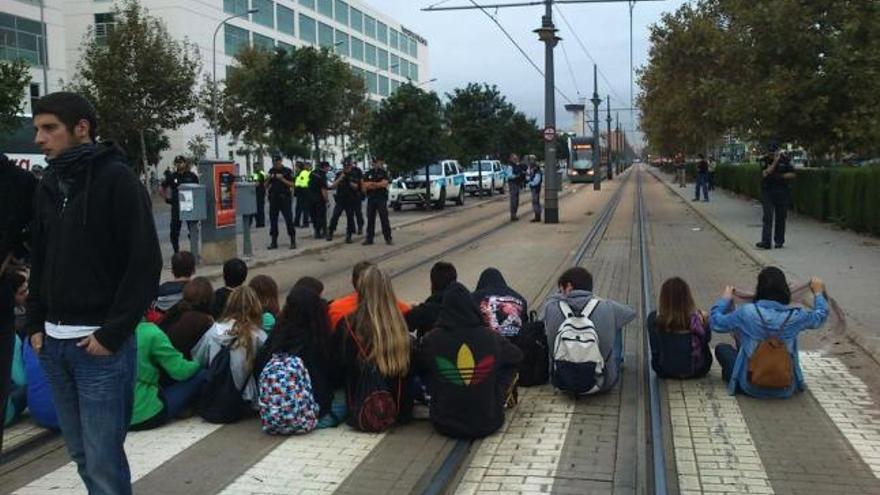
214,78
610,147
547,34
597,176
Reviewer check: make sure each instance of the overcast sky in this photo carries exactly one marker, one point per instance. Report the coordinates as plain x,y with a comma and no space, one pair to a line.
466,46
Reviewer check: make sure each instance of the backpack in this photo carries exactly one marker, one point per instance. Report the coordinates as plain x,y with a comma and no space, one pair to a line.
371,401
770,364
534,369
578,365
286,402
220,400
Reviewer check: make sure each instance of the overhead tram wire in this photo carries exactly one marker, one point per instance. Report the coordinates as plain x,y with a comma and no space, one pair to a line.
570,68
518,47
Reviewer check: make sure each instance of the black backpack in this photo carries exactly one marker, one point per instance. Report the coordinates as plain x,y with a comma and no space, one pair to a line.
373,405
220,400
532,341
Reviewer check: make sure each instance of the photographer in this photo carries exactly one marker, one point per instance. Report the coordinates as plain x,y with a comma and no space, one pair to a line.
776,172
279,183
347,186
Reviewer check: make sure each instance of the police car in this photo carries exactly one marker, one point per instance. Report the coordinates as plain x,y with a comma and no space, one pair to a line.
493,177
447,183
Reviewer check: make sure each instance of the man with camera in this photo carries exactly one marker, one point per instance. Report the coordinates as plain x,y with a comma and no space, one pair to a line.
776,172
280,201
347,186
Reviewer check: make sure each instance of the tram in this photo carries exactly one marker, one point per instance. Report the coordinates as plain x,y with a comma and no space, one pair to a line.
580,159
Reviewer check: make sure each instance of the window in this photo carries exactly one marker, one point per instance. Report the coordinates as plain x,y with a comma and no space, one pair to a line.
357,49
235,6
370,54
266,14
394,65
325,35
286,20
263,42
104,25
342,44
307,29
325,7
383,86
286,47
34,93
382,58
341,12
370,26
308,3
414,72
404,67
395,85
382,32
372,83
413,48
392,39
357,20
235,39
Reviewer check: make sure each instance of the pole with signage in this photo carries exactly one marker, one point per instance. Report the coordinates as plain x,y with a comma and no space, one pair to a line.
597,175
547,34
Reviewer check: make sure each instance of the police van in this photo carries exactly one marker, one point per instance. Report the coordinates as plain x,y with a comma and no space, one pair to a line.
492,177
447,183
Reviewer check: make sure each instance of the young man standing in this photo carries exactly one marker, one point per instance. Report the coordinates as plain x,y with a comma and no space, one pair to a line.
171,191
95,267
347,186
375,186
775,174
318,191
280,201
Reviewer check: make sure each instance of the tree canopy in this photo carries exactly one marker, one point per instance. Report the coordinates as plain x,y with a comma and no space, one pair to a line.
14,78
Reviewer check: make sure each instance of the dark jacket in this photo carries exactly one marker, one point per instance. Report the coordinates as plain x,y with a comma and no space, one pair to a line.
504,310
682,354
185,327
423,317
96,258
467,369
16,206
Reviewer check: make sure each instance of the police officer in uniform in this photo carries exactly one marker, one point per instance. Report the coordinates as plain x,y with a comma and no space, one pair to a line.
375,186
776,171
348,186
303,196
359,208
170,189
318,192
259,178
280,201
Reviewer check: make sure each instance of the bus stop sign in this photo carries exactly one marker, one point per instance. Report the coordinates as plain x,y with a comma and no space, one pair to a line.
549,134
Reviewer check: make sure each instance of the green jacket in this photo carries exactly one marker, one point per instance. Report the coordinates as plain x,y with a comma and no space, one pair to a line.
155,350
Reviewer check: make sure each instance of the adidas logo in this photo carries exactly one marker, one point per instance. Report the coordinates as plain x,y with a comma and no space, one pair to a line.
464,372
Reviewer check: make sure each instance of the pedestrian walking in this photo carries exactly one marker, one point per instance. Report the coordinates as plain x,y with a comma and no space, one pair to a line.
375,187
95,268
776,172
516,179
347,186
702,183
318,191
170,190
535,179
303,196
259,178
280,201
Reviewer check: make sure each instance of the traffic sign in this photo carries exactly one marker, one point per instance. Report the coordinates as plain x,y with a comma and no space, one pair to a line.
549,134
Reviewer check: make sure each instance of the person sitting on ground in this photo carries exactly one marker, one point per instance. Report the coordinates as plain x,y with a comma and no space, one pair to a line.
302,332
183,267
17,398
765,363
344,306
423,317
240,330
469,370
679,334
504,310
574,297
310,283
187,321
267,291
234,274
18,283
373,345
40,404
155,405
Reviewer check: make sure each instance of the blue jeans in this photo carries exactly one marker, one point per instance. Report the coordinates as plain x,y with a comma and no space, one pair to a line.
93,397
726,354
702,183
183,394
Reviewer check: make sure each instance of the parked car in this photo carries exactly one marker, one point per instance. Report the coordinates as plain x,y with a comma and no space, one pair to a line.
447,184
493,177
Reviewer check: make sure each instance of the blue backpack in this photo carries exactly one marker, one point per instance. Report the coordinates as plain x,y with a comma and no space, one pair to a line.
287,405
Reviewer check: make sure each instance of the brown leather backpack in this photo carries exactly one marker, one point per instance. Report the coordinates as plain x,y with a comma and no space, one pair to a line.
770,365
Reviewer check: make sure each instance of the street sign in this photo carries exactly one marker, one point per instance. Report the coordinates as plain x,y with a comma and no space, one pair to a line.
549,134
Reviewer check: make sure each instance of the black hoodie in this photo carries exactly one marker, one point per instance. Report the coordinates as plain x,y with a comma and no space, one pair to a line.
16,197
96,257
503,309
467,369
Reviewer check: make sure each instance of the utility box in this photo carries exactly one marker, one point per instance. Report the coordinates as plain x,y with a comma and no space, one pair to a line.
246,198
193,202
218,232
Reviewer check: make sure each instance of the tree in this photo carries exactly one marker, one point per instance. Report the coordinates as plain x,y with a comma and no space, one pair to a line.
138,77
14,78
198,148
519,134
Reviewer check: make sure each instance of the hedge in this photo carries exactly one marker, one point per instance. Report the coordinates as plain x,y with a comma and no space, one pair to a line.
849,197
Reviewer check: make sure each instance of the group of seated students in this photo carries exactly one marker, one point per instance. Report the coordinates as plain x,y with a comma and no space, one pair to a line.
373,361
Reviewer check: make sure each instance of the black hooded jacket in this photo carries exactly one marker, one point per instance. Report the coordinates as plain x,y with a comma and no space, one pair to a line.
422,318
467,368
96,258
16,199
503,309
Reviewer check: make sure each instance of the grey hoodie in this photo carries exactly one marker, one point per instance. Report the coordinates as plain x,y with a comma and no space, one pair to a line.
210,344
609,318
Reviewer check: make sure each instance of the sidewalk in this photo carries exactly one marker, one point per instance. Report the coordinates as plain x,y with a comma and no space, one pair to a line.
848,262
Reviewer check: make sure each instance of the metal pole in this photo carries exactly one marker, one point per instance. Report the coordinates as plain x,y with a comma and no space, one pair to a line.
214,78
610,147
632,120
597,176
45,47
547,34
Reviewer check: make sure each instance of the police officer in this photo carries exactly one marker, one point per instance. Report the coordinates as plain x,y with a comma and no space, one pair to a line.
259,178
516,180
280,201
776,171
318,192
171,191
359,207
348,186
375,186
303,195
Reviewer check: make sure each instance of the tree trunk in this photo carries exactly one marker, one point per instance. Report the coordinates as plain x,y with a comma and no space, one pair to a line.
143,152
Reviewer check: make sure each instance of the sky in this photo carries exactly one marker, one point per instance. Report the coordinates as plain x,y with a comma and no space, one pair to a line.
466,46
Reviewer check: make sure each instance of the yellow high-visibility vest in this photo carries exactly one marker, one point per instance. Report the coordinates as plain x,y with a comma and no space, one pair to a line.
302,180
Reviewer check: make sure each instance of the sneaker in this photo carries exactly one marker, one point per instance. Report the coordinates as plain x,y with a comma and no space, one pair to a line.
762,245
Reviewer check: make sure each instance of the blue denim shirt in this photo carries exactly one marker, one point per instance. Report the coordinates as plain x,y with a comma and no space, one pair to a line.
751,331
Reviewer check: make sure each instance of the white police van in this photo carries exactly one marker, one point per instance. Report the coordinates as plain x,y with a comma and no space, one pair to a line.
447,183
493,177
